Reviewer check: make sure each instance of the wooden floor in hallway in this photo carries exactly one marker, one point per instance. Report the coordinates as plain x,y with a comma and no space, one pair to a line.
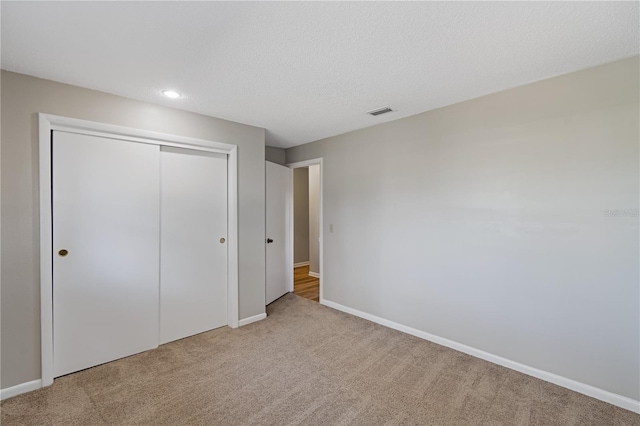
304,285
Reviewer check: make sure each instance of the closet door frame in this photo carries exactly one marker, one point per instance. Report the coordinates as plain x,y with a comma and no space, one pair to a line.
47,124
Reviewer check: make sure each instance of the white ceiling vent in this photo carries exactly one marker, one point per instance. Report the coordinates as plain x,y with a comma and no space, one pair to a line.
379,111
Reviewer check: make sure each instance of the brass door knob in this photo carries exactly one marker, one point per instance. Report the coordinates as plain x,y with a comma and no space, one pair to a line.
63,252
222,240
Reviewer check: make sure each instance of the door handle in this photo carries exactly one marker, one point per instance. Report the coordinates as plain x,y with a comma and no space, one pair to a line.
269,240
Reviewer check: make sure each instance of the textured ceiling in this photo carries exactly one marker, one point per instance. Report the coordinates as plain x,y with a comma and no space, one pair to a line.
305,71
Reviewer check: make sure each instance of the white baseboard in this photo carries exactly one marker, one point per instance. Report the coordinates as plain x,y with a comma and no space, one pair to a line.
21,388
299,264
249,320
314,274
583,388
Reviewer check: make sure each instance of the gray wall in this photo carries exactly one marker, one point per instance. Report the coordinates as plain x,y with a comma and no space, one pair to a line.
275,155
486,222
300,215
314,219
22,98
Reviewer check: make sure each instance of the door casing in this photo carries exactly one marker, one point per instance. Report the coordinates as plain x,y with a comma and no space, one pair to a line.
48,123
297,165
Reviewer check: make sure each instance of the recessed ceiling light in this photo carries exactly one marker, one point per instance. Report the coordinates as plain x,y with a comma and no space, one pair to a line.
171,94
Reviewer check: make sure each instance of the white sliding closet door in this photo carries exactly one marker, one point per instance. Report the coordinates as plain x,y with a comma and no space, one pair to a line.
106,201
193,272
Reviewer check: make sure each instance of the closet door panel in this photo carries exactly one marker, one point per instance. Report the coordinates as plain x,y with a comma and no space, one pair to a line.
193,271
106,209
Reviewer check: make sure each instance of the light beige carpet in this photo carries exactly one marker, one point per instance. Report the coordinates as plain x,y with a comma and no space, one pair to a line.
306,365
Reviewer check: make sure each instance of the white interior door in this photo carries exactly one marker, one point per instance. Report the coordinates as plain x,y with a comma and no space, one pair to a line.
193,271
106,205
277,211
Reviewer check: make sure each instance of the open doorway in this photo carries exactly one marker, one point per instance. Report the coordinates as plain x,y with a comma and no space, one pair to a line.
306,224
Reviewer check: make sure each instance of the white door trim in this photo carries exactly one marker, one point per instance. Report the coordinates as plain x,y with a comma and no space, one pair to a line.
297,165
48,123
